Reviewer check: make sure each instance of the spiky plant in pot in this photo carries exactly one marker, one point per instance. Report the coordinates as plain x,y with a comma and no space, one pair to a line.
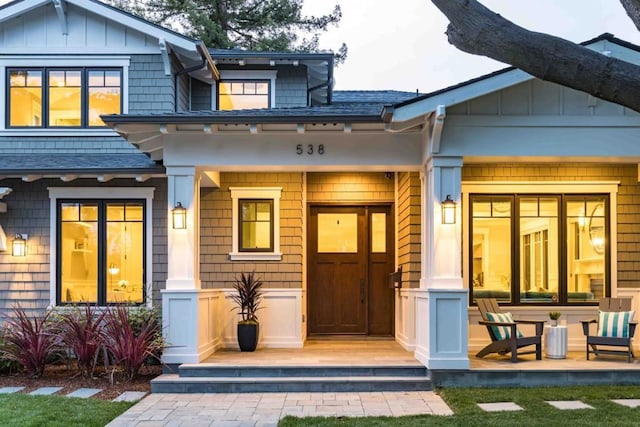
248,298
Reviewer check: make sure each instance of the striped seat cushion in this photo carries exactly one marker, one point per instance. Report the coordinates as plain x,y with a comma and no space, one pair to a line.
502,332
614,323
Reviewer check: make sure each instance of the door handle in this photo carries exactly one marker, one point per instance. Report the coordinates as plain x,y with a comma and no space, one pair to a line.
361,290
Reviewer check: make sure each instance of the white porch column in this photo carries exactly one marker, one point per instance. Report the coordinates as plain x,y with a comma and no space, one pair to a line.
441,306
186,309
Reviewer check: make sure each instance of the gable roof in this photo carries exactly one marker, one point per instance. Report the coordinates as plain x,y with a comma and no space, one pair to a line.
186,47
480,86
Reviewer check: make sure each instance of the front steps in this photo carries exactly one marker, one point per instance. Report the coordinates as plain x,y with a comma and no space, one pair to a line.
216,378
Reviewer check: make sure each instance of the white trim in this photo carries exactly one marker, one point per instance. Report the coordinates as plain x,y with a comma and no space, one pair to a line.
249,75
102,193
542,187
272,193
13,61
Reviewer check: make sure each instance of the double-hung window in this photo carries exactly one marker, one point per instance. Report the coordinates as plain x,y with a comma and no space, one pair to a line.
101,251
550,248
62,97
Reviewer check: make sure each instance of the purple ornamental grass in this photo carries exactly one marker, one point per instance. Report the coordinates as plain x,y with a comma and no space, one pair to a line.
128,347
82,332
29,341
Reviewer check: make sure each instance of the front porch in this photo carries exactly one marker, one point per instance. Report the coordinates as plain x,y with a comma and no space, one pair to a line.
377,365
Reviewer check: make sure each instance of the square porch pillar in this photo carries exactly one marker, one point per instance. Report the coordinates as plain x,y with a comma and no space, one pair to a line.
441,304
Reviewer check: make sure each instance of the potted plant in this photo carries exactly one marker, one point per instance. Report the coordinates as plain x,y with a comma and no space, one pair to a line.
554,316
248,297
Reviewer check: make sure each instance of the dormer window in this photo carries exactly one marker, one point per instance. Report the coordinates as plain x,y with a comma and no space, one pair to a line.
243,94
62,98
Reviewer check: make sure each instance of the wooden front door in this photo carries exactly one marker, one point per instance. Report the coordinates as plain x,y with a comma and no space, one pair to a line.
351,254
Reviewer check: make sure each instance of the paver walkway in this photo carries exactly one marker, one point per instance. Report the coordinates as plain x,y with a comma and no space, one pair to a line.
84,393
265,409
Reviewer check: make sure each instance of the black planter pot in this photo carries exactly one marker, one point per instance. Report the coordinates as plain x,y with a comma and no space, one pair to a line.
248,336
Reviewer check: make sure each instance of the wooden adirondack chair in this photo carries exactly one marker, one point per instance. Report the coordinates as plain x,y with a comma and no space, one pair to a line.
602,338
514,340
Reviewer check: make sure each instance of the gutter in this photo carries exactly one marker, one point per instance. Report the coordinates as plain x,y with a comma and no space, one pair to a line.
207,61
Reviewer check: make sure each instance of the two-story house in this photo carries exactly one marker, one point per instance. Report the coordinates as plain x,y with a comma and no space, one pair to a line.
140,166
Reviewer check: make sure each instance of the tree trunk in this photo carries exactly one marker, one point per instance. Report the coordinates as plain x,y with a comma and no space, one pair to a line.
475,29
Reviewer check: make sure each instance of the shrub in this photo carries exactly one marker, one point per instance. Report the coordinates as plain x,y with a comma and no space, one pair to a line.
29,342
7,365
81,331
131,344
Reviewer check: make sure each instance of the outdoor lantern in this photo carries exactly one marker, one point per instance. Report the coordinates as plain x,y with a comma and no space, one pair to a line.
448,211
19,246
179,214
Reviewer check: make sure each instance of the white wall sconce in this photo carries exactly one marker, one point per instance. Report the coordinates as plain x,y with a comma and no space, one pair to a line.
19,245
179,215
448,210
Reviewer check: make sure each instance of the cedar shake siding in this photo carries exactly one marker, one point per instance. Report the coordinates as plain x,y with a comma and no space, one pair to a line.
25,281
150,90
350,187
216,270
409,228
628,208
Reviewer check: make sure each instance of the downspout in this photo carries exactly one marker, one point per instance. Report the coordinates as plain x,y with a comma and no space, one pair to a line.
206,59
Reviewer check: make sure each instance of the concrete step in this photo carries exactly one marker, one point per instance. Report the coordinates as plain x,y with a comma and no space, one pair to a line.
216,370
173,383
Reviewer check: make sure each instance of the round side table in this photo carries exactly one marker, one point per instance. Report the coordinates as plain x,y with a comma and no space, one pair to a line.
555,341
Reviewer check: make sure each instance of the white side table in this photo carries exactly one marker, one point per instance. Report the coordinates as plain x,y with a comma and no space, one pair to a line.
555,341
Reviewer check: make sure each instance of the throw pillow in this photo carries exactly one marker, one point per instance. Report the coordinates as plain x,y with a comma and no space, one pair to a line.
502,332
614,323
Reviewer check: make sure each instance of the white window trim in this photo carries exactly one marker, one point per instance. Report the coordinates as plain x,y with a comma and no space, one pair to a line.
271,193
66,61
543,187
100,193
247,75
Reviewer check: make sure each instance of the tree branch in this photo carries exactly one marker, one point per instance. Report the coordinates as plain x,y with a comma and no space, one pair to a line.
475,29
633,10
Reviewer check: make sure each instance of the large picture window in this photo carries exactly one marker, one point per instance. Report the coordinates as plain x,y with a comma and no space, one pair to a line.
62,98
101,251
547,249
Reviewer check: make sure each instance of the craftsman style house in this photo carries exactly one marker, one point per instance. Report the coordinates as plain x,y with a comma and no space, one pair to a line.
139,166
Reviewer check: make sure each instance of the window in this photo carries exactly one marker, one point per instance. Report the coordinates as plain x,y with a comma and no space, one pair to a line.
256,224
243,94
101,250
62,98
528,248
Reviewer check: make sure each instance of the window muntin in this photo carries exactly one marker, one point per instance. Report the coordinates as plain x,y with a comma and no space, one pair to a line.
243,94
544,268
68,98
256,225
101,249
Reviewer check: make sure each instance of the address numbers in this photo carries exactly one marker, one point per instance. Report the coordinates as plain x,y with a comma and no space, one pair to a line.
309,149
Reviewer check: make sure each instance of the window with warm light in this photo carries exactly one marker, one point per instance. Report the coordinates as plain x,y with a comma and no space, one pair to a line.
62,98
243,94
101,247
256,225
539,249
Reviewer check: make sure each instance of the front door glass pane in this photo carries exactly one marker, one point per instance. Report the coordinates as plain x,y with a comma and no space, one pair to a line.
491,248
378,232
338,233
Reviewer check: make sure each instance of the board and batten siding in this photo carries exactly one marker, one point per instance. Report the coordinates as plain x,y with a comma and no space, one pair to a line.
628,198
26,281
216,270
409,218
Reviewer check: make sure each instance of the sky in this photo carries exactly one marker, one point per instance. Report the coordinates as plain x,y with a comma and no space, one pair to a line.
401,44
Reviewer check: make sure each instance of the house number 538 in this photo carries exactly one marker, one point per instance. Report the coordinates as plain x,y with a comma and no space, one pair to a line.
309,149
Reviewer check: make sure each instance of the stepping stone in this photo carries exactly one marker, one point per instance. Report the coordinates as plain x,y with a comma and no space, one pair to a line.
45,390
7,390
499,407
130,396
631,403
568,404
84,392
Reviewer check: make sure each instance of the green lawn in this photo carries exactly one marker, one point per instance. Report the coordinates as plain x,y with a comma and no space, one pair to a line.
24,410
537,412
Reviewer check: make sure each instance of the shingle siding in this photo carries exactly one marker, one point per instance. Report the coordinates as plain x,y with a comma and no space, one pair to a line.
59,145
291,87
25,281
344,187
200,95
150,90
628,207
409,218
